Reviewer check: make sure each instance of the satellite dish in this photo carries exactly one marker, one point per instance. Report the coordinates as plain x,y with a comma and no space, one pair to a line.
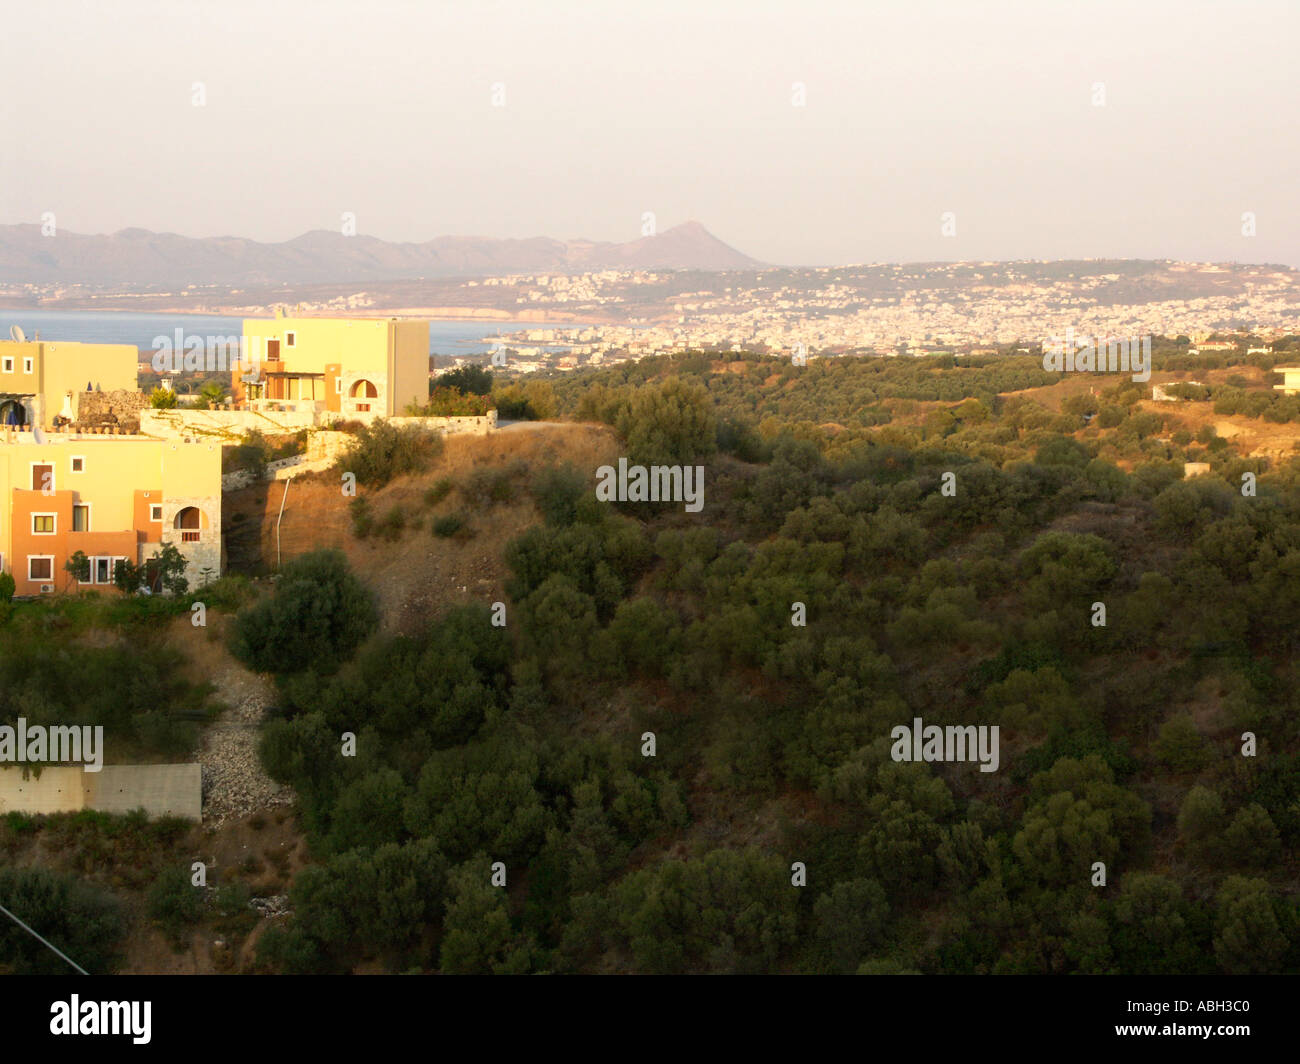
17,335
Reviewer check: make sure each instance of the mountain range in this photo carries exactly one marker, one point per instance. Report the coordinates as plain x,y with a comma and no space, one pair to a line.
142,257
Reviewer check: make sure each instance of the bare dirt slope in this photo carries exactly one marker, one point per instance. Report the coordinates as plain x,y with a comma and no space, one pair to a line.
418,574
1251,437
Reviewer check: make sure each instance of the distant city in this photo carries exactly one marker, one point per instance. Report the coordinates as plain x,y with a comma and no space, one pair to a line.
563,321
895,310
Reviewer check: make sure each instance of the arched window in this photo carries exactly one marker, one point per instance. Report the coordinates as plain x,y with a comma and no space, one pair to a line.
189,521
12,412
363,391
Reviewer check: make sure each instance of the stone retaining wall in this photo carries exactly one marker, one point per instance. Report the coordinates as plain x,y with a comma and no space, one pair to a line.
232,424
122,408
450,426
227,424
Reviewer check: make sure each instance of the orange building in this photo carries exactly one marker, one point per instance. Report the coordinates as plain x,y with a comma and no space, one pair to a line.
111,498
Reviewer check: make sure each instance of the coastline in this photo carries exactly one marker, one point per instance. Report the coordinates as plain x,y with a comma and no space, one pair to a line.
452,314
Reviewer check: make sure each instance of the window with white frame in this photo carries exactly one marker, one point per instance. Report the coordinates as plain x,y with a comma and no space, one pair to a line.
290,339
155,512
81,517
40,567
78,463
101,569
27,365
7,364
44,524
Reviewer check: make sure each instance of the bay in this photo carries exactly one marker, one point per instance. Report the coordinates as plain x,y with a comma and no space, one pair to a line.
128,327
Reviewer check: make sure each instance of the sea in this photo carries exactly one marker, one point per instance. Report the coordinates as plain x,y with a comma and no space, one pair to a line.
128,327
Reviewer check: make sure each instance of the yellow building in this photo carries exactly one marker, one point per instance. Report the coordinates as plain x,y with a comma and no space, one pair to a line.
356,367
1290,380
41,381
110,497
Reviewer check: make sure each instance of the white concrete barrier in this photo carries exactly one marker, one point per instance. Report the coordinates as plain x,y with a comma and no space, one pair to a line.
160,790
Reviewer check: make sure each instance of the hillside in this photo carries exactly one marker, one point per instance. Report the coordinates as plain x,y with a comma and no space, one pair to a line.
621,736
141,257
416,575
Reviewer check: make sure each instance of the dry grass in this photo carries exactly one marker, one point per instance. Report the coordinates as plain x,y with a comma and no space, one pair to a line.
418,575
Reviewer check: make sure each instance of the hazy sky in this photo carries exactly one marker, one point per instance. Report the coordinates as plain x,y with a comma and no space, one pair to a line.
679,107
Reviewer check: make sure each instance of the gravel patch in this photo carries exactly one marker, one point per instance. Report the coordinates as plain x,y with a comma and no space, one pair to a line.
234,783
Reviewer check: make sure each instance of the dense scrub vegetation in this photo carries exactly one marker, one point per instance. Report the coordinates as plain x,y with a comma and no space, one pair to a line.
423,760
524,743
451,402
124,679
86,922
91,659
382,451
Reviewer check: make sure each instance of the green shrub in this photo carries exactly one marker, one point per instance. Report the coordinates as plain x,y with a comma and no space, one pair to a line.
392,524
527,401
487,487
669,422
470,380
557,490
502,488
440,490
7,588
174,903
383,451
1180,746
230,903
451,402
363,522
317,616
250,455
227,592
448,525
86,924
132,688
169,573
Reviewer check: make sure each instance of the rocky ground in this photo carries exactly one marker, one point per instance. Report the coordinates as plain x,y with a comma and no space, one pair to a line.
234,783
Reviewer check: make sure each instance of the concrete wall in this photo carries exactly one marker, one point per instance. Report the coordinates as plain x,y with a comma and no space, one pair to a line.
225,424
160,790
410,375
